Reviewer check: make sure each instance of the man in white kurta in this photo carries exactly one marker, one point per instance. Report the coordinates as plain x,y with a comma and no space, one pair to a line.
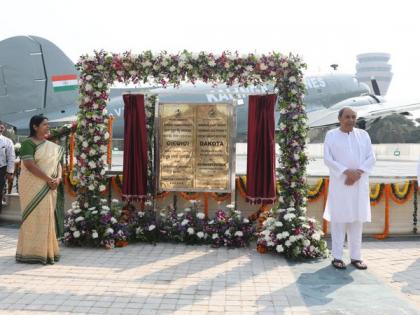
349,156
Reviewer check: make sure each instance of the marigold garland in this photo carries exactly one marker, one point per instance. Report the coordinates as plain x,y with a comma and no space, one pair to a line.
162,195
398,196
385,234
220,197
190,196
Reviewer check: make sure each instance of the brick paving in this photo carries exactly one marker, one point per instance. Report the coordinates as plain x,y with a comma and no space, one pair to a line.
180,279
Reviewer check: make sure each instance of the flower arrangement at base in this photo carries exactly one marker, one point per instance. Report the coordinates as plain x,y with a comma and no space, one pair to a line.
98,226
293,236
143,224
188,226
230,229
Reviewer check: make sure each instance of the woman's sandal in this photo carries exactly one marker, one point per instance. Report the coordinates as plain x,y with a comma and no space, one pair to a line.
359,264
338,264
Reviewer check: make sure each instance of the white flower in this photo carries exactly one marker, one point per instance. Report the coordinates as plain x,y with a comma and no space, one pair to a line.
279,236
83,156
211,222
227,233
109,231
114,201
140,214
293,170
292,238
289,216
172,68
92,164
94,234
230,206
113,220
102,187
285,234
152,227
279,248
288,243
106,135
17,146
184,222
311,248
201,215
200,234
263,66
148,203
180,215
103,207
76,211
306,243
270,243
78,219
249,68
316,236
212,63
187,209
284,64
190,231
94,212
278,224
246,220
91,187
76,234
85,144
239,233
215,235
292,79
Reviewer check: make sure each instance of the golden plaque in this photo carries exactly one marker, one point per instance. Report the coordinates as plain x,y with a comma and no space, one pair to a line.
194,147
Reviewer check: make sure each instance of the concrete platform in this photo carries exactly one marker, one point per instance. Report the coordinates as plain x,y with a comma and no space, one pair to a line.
180,279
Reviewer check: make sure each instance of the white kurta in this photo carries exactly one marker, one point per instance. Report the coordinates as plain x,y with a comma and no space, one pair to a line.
344,151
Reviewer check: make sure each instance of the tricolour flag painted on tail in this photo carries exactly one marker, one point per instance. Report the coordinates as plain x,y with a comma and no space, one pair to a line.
64,82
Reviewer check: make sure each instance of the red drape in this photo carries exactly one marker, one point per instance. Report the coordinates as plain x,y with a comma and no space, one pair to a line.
261,163
135,148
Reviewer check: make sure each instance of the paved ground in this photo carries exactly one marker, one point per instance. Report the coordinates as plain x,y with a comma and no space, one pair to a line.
167,279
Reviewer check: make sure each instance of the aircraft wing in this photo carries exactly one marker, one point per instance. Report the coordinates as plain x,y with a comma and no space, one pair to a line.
328,117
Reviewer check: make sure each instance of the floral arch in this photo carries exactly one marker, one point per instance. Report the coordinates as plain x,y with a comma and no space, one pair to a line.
99,71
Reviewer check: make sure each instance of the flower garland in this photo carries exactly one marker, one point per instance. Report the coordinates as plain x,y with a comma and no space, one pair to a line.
388,192
99,71
109,146
149,107
401,196
376,194
317,191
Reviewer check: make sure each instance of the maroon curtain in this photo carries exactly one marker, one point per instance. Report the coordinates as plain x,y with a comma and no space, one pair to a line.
261,163
135,148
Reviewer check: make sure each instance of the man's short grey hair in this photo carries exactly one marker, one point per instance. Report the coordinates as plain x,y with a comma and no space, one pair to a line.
341,111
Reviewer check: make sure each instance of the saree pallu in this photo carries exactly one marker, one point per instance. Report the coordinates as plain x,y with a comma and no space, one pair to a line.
37,236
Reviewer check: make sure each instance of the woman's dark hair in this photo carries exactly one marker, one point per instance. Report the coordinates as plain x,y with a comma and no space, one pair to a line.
35,120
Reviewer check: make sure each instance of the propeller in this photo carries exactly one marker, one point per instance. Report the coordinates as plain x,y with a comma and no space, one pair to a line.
375,86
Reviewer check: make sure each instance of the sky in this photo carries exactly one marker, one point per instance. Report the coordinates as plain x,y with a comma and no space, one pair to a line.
322,32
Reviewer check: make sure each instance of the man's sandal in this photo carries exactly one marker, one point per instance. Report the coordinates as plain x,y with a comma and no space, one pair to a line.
338,264
359,264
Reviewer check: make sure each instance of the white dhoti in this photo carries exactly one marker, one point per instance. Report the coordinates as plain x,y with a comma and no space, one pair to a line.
354,239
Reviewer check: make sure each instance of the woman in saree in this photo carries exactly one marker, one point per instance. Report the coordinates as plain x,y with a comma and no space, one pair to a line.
38,181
